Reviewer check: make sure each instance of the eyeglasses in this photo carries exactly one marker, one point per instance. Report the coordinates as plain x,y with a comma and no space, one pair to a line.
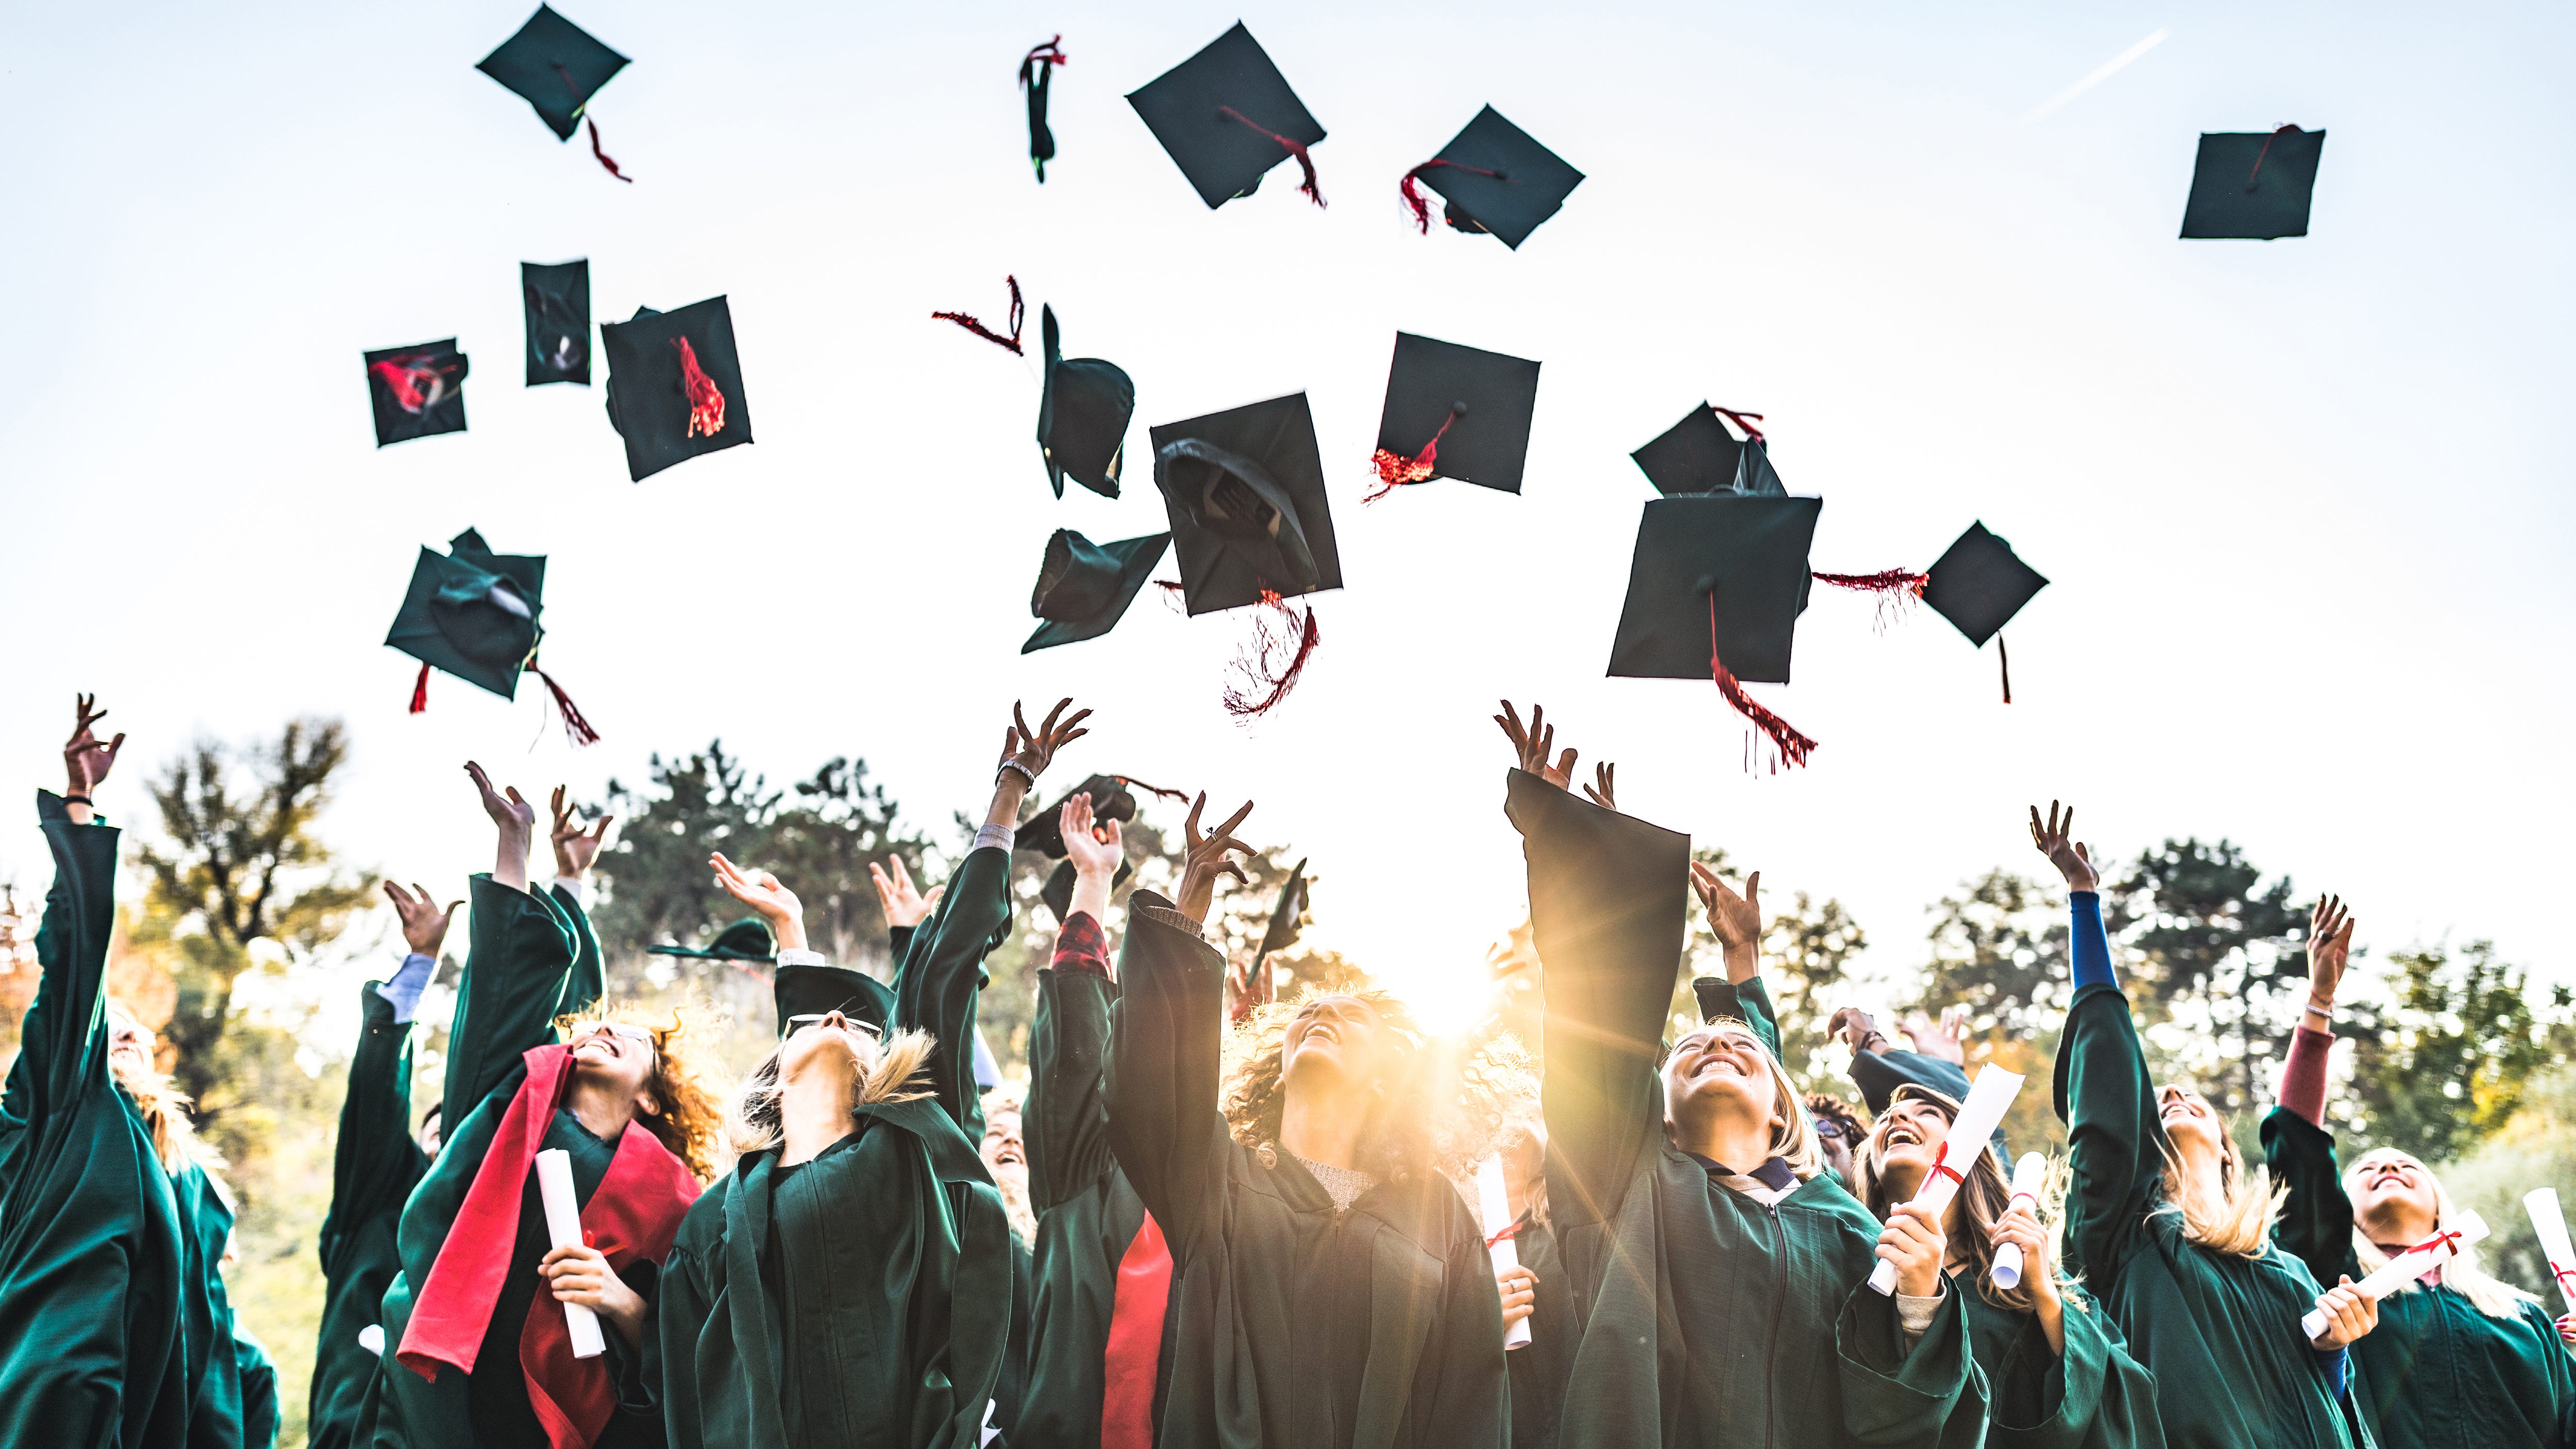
627,1030
800,1022
1825,1128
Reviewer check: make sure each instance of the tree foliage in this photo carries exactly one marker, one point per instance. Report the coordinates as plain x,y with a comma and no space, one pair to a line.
2451,1057
2222,958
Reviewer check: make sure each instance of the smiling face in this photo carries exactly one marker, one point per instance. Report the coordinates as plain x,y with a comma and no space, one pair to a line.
1905,1144
130,1043
2393,1196
606,1058
1003,1150
834,1040
2189,1120
1339,1037
1720,1068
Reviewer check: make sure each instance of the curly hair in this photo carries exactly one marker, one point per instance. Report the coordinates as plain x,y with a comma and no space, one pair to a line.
893,1074
691,1121
1474,1086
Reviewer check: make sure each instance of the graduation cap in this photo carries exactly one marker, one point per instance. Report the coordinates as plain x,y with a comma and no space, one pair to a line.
1714,592
2253,184
1698,455
1082,416
1037,71
1454,412
1978,586
1112,798
557,300
809,990
748,939
1287,919
556,67
1085,587
475,614
417,392
1495,179
1227,116
675,385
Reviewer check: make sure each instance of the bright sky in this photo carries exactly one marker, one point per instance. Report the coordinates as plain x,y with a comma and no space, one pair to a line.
2306,516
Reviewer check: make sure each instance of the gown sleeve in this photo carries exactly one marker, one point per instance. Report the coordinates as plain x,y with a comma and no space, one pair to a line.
2113,1135
519,953
942,973
2315,1225
1879,1074
1165,1059
374,1161
62,1046
588,981
1748,1002
1607,902
1930,1395
1068,1108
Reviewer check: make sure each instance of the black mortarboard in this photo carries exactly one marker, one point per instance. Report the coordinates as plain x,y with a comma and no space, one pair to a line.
1084,587
473,613
2253,184
675,385
809,990
1698,455
1111,799
417,391
748,939
1245,493
557,301
1037,72
1748,554
1495,178
1455,412
555,66
1226,115
1289,915
1980,584
1082,416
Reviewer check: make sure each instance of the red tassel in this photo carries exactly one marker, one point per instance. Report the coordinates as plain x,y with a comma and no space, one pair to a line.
1019,312
1393,471
2005,659
1156,790
1266,642
1305,162
574,725
1050,53
420,692
412,380
1885,581
1419,204
1793,746
2251,176
706,400
602,155
1740,420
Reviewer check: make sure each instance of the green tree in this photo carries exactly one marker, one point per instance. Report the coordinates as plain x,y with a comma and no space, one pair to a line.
1807,953
1999,948
2222,959
2451,1059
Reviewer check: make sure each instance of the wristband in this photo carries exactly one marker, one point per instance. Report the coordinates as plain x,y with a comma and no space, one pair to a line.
2325,1012
76,800
1012,763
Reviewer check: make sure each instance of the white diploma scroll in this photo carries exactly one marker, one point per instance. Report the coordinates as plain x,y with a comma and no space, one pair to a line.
1494,1205
2408,1266
2550,1225
2028,1176
563,1227
1990,1096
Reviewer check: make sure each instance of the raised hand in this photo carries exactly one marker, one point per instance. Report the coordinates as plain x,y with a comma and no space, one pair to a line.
1034,749
2056,841
2350,1313
1534,743
903,905
424,925
516,820
769,900
1736,919
2329,947
1205,859
1858,1029
1945,1038
1094,847
576,849
86,761
1600,790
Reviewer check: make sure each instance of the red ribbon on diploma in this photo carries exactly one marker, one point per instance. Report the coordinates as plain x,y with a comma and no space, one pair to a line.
2450,1240
1941,1167
1506,1234
2566,1276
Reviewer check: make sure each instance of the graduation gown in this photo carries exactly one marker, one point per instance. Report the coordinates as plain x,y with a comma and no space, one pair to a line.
1708,1318
861,1299
1103,1281
1540,1367
259,1389
2436,1373
2219,1331
2095,1396
206,1315
375,1164
1295,1327
92,1242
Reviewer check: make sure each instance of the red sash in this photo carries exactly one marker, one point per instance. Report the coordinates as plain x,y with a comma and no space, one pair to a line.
1135,1350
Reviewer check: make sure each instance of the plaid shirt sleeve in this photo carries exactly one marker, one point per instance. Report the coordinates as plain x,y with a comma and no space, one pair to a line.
1080,945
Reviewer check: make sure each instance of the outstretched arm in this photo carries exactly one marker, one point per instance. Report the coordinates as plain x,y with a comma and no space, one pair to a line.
1067,1117
518,959
1736,920
63,1038
2315,1225
1878,1068
2102,1090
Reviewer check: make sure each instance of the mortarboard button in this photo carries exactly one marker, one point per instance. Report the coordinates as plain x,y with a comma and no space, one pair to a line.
1226,116
2254,185
1698,455
1494,178
1083,414
557,302
1979,585
1454,412
675,385
556,67
417,392
1084,588
1714,592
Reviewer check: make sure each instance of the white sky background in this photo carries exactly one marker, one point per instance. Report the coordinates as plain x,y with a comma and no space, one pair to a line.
2304,510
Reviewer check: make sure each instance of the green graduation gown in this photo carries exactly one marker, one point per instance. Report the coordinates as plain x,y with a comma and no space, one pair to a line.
863,1298
259,1388
2095,1396
2219,1331
375,1164
1708,1318
1297,1327
2436,1373
92,1253
1540,1367
206,1319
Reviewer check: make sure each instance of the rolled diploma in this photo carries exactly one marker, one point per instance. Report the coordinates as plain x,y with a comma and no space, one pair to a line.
1990,1096
1494,1204
2403,1269
2028,1175
563,1226
2550,1225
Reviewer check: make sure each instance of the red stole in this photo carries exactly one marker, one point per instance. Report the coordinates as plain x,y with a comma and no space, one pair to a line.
1135,1349
634,1213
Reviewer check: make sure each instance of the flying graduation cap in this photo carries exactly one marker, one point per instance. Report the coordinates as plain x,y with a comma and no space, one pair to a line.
1226,116
1978,585
675,385
1714,592
1698,455
1454,412
557,301
1084,588
1112,798
1495,179
1037,71
477,615
1082,416
556,67
1287,922
2253,184
417,392
747,940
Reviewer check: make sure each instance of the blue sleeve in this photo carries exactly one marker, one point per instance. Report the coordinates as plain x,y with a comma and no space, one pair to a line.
2335,1365
2092,944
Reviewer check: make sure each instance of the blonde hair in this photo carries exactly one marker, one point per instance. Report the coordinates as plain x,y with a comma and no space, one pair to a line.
754,1123
164,1110
1983,1198
2486,1293
1794,1140
690,1121
2248,1205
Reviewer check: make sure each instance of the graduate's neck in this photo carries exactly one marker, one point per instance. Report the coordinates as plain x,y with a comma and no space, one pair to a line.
2396,1221
1724,1133
814,1111
2204,1173
1322,1118
602,1109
